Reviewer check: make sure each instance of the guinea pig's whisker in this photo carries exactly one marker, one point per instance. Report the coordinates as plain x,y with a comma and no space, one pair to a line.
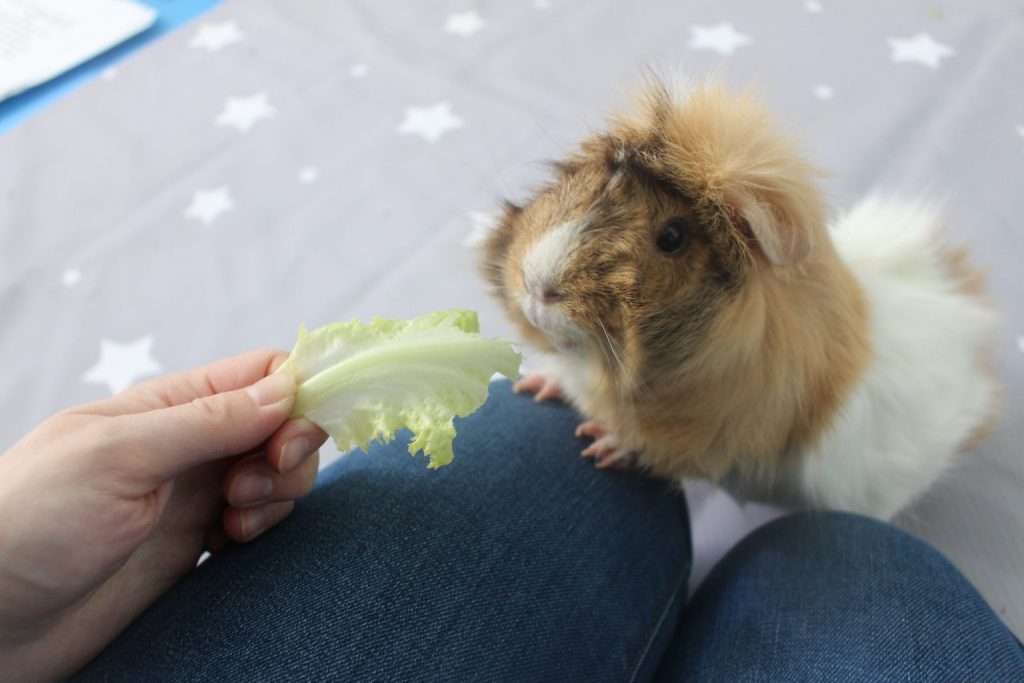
611,346
616,352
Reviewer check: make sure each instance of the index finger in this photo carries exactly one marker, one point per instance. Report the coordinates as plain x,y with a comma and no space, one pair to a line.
226,374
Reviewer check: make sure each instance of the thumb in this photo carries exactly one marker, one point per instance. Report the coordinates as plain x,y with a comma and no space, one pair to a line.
181,437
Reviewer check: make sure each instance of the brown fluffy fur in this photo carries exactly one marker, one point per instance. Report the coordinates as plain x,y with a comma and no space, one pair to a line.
725,358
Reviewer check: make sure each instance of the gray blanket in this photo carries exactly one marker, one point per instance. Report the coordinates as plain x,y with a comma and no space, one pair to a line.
278,163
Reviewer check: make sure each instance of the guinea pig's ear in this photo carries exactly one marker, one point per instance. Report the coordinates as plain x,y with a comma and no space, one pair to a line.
727,150
779,222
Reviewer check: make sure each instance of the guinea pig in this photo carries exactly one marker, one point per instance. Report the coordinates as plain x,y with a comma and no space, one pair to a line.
692,303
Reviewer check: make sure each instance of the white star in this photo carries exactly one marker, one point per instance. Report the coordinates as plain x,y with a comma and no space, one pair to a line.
482,222
1020,130
812,6
920,49
465,24
308,175
244,112
215,36
359,70
120,365
542,4
430,123
109,74
823,92
1020,344
208,205
71,277
721,38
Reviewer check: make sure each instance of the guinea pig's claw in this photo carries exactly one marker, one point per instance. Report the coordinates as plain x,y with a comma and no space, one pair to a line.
592,429
615,461
605,452
540,386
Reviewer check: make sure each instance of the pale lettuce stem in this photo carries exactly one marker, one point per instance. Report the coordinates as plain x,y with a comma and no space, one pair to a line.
429,354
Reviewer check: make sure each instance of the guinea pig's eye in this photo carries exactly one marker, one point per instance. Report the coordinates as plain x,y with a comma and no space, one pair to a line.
673,237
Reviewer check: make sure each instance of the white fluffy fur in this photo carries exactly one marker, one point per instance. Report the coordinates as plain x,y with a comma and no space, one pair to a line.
542,269
926,388
547,258
577,376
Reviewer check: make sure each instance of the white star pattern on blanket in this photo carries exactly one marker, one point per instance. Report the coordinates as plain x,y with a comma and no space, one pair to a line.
208,205
430,123
214,37
823,92
242,113
720,38
465,24
122,364
71,277
919,49
308,175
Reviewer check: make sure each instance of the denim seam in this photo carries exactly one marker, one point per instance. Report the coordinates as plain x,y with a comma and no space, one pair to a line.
681,578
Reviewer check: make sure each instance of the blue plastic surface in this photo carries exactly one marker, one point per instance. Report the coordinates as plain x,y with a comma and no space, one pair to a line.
172,13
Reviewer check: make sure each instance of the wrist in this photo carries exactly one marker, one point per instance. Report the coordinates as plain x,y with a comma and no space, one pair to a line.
26,650
29,662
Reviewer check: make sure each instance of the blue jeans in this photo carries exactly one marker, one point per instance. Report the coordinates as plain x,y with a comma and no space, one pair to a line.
521,562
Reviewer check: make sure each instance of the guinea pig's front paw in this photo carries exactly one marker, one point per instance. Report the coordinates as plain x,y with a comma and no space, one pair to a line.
541,386
605,450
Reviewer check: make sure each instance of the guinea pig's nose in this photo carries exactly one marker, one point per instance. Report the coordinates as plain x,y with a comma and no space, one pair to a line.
539,289
552,295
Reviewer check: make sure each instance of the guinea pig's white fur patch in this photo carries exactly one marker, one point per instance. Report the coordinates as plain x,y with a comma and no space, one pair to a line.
545,261
925,389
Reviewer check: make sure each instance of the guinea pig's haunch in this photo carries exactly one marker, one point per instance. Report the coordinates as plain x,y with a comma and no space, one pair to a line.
696,309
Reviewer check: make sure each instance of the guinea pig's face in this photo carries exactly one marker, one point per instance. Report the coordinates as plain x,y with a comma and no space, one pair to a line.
651,230
612,257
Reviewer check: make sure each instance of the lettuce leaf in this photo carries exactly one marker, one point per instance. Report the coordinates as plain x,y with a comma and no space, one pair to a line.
362,382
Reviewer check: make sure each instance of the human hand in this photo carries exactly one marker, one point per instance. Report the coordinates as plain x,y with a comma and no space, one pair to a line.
105,506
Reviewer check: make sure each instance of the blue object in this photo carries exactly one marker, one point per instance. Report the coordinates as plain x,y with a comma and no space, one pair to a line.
172,13
521,562
838,597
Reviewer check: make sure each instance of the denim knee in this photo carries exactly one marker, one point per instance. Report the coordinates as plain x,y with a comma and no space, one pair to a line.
835,596
519,561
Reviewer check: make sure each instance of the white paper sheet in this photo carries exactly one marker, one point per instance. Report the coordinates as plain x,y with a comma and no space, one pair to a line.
40,39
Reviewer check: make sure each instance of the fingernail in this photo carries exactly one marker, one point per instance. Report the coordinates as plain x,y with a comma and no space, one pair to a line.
273,389
254,522
293,453
252,488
